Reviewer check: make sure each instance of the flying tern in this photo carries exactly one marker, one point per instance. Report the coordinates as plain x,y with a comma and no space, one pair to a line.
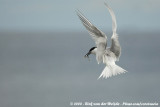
107,55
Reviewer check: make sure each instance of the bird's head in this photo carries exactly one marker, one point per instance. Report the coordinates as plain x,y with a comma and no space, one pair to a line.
91,51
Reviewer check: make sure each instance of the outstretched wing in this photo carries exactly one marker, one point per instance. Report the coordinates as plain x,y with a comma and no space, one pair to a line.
115,46
98,36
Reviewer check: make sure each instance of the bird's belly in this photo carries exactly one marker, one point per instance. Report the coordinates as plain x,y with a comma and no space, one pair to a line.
108,60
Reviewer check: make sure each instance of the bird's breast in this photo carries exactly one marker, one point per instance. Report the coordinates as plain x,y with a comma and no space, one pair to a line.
109,57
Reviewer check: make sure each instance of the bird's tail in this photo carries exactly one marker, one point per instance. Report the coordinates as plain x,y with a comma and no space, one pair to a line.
111,70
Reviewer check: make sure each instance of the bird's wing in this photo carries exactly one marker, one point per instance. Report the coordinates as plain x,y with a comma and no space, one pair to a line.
115,46
98,36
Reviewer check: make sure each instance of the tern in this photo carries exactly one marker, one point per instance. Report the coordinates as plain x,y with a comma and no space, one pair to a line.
107,55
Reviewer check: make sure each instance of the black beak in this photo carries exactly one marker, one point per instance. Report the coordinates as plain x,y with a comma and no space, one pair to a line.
87,55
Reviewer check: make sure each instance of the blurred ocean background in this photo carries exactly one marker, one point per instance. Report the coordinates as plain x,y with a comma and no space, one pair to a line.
42,50
48,69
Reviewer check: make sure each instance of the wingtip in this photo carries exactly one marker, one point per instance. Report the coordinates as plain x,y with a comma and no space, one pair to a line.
105,3
79,14
77,11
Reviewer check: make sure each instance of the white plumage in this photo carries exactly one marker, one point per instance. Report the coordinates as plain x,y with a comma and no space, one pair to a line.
103,53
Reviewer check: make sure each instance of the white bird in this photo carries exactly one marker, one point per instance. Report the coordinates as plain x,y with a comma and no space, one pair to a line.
107,55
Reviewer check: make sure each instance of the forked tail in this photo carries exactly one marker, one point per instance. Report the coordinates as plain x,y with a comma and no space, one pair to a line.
111,70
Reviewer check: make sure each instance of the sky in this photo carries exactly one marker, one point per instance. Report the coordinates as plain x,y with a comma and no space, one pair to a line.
60,15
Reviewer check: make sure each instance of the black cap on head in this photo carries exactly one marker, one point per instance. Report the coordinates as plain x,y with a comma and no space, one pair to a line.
87,55
92,49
